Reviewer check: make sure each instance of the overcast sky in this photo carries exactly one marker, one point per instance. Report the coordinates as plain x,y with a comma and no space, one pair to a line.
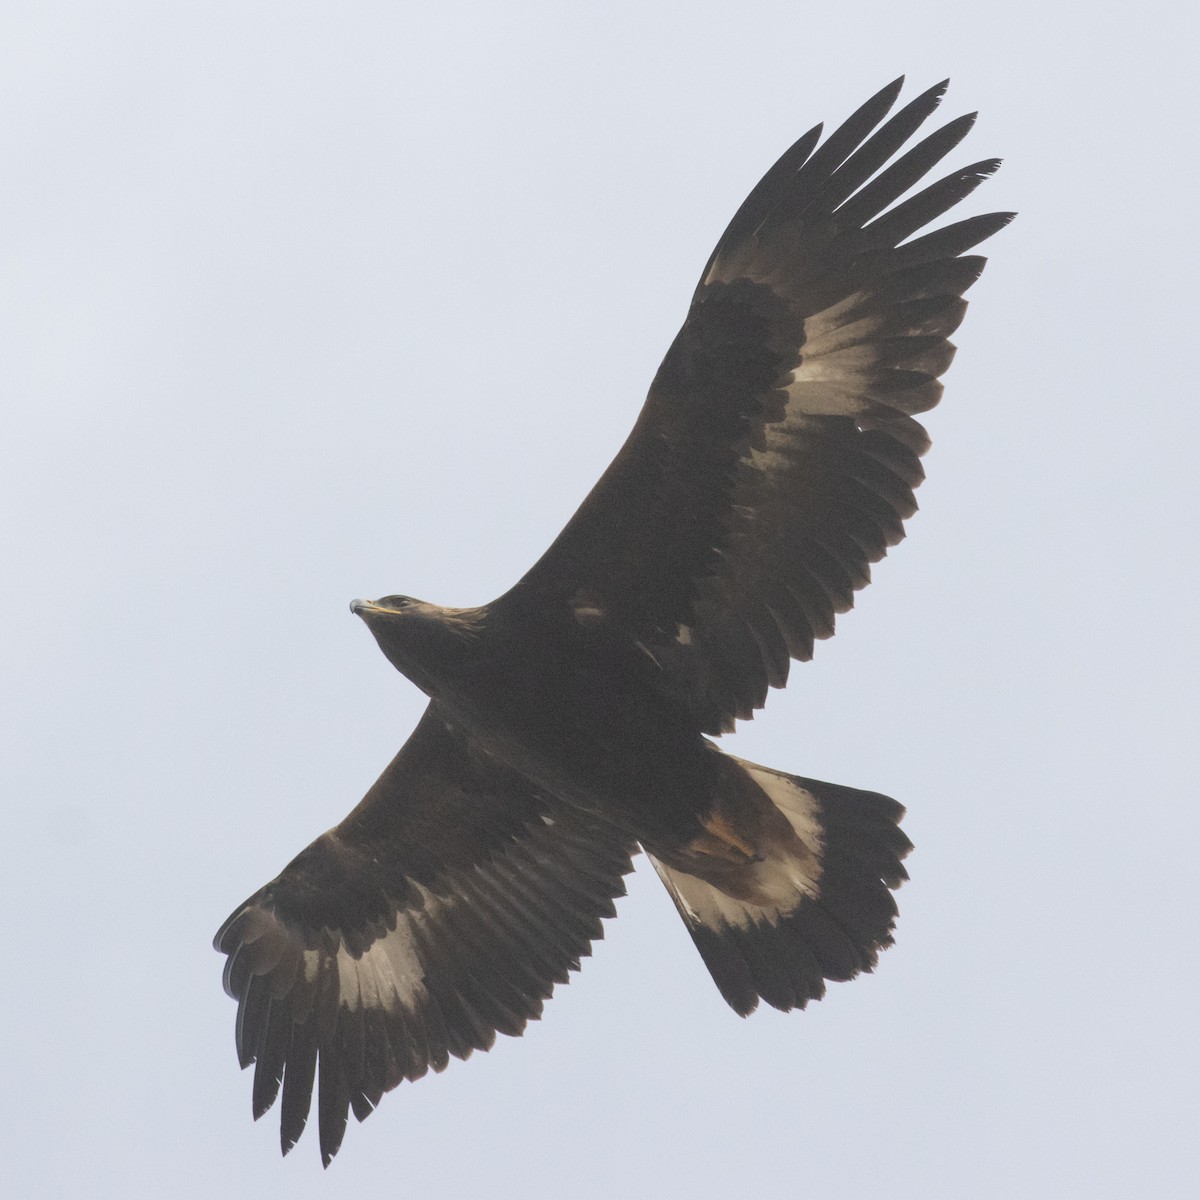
303,302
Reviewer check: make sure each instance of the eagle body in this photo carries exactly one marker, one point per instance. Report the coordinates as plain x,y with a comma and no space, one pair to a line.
572,706
570,720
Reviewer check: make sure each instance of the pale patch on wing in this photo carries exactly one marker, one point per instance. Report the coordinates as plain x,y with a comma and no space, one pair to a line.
838,363
842,370
389,973
745,260
769,257
586,608
788,873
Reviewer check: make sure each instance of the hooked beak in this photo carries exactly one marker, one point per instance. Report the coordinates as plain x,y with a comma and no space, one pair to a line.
372,608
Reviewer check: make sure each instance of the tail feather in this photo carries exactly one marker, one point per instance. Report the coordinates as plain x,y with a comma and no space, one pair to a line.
817,906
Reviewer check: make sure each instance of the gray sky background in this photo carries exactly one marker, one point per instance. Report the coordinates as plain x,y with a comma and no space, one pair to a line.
304,302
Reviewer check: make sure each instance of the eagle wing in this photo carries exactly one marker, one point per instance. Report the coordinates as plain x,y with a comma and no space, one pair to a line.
441,911
777,453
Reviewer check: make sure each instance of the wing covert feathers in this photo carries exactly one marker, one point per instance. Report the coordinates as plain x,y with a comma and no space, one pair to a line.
778,451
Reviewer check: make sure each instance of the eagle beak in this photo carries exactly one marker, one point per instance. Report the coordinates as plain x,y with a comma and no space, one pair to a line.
359,607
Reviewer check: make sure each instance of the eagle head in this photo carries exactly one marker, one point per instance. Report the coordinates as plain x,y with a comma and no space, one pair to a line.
421,640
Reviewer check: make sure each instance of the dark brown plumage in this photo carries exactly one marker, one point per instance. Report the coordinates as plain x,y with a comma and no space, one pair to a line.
775,459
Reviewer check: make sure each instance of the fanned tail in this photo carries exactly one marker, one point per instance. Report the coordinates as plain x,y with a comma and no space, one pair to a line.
815,904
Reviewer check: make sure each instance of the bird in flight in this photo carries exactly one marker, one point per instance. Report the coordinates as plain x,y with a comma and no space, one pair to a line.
570,721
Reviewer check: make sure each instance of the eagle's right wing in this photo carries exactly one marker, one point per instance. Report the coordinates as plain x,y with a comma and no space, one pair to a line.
441,911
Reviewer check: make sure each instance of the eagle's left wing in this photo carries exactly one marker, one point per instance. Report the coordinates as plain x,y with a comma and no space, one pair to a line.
777,453
441,911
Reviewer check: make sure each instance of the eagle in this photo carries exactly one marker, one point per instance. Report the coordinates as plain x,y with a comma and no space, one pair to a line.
571,721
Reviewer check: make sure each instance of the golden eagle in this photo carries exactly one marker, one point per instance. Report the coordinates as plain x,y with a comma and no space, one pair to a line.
774,460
